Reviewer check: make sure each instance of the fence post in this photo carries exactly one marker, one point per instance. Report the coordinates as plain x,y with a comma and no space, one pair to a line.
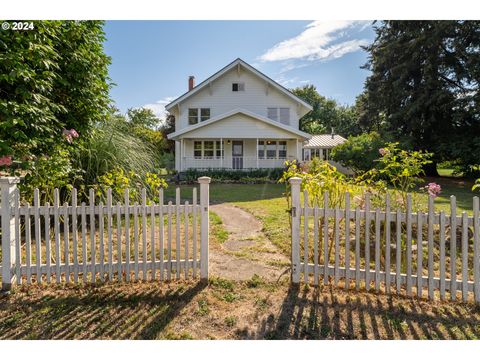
8,186
295,216
204,182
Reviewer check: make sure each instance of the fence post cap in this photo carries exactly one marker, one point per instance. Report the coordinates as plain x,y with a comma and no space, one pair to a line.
295,180
204,180
9,180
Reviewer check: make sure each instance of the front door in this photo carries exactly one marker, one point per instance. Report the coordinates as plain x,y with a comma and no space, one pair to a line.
237,154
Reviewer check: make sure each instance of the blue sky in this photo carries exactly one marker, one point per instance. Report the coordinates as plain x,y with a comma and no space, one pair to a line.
151,60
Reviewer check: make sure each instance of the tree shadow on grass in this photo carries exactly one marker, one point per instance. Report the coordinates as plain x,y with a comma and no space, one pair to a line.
98,313
329,313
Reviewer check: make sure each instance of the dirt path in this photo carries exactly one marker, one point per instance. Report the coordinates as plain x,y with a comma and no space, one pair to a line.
247,251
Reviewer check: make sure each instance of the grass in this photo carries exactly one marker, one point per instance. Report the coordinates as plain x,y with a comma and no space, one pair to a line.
445,171
224,309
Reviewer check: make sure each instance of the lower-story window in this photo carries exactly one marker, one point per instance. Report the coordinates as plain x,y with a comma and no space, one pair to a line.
271,149
282,149
197,149
322,154
207,149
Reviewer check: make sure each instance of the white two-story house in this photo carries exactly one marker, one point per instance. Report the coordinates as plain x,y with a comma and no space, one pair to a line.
238,119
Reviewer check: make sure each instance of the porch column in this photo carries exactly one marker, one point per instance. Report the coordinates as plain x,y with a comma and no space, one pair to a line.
296,143
257,153
181,154
221,153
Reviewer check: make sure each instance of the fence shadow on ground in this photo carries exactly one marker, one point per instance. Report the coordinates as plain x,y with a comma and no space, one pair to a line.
328,313
96,313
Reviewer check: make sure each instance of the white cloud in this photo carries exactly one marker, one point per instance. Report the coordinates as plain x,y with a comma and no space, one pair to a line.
289,82
158,107
321,40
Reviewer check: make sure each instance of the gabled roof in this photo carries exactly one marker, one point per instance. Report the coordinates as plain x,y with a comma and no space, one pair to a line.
324,141
230,66
235,112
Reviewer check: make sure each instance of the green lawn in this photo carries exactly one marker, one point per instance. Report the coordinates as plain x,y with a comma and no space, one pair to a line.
267,197
459,187
445,171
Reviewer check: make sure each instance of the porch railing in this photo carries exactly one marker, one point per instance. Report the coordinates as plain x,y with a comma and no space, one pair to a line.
236,163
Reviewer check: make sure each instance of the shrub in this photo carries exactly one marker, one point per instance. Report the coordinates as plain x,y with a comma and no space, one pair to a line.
47,173
476,186
119,181
253,176
359,152
318,176
400,169
52,78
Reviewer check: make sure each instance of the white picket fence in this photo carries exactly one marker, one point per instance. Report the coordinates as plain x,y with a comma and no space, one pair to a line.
102,242
385,248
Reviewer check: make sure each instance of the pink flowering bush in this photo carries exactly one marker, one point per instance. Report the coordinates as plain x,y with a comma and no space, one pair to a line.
383,151
6,160
433,189
69,135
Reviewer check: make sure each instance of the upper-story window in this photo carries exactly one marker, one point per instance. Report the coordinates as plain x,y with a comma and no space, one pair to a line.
198,114
238,86
204,114
280,114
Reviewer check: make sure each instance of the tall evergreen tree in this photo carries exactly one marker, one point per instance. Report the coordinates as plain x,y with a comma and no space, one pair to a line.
424,87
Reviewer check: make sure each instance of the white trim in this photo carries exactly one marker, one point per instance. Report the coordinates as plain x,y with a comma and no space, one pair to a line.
234,112
222,154
218,74
257,153
182,153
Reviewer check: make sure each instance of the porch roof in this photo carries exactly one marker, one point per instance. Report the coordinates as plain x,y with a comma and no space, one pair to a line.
177,134
324,141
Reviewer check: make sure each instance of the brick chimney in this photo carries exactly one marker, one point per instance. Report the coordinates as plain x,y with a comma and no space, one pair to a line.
191,82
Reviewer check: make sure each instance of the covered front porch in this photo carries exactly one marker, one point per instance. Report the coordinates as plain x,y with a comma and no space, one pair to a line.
237,154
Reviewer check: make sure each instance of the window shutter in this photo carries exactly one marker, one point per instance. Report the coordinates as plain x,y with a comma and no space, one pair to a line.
285,116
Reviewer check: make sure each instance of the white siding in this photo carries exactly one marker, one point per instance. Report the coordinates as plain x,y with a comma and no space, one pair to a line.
220,98
240,126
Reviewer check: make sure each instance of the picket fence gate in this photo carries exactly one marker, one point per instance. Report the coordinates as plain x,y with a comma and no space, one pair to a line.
121,242
376,247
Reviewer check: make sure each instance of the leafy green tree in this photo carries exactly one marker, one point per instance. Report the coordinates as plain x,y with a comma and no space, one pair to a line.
424,87
52,78
359,152
142,117
167,128
326,114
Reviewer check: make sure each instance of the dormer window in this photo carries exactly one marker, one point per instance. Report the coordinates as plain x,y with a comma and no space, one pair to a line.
196,115
238,86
